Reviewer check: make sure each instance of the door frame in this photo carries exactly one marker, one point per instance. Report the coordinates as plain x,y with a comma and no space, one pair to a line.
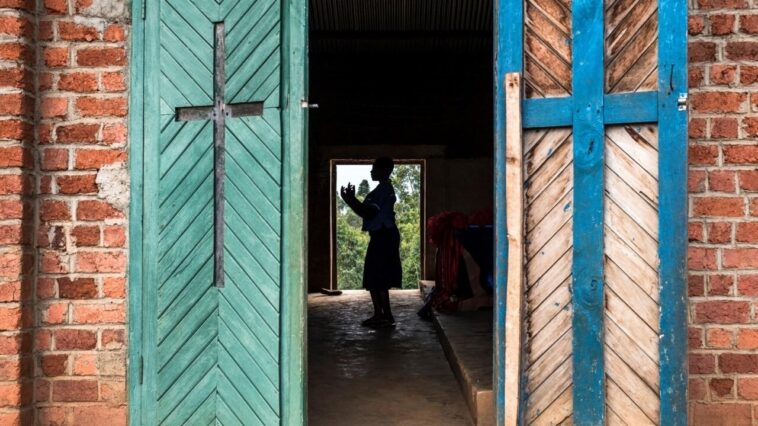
294,174
333,163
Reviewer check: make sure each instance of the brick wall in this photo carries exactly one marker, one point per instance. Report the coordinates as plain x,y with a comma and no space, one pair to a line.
80,307
723,229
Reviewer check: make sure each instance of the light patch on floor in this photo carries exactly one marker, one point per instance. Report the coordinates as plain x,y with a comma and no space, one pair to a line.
359,376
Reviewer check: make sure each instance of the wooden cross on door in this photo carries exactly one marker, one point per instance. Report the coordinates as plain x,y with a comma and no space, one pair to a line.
218,112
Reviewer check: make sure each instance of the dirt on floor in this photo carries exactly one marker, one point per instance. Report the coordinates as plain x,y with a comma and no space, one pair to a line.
364,377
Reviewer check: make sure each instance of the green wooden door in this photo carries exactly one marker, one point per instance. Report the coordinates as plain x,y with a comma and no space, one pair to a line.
210,354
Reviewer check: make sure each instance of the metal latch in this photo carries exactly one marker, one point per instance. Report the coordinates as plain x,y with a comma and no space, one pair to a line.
682,102
304,104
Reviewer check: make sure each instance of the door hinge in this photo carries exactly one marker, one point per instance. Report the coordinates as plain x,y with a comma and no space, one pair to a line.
144,7
141,369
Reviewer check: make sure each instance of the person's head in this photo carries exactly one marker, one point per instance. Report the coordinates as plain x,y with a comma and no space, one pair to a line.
382,169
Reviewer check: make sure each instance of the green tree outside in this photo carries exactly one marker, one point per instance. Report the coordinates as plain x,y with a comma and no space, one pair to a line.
352,242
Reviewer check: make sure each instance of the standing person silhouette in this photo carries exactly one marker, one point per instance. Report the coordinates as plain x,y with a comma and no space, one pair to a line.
382,269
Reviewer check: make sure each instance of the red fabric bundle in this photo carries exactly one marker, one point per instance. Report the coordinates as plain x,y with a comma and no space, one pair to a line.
441,229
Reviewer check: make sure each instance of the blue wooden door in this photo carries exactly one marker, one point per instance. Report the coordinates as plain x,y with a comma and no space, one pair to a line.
604,146
216,312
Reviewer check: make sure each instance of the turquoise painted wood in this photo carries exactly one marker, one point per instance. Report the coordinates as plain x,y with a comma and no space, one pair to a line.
201,354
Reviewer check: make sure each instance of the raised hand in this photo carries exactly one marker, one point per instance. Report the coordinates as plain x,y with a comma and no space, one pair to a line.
348,194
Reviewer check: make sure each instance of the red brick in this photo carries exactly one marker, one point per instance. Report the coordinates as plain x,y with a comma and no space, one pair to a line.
114,236
749,179
701,51
15,156
750,124
747,284
45,31
719,206
740,258
87,159
75,391
696,128
742,50
741,154
54,365
86,236
738,363
695,77
747,388
695,232
695,24
77,184
114,134
11,234
703,154
701,258
101,107
42,394
719,338
114,33
702,364
113,81
54,210
101,261
15,129
52,263
10,394
101,57
17,26
696,389
748,74
719,232
45,288
56,57
15,77
721,387
100,415
719,102
749,24
747,339
722,312
722,181
55,159
56,6
77,288
77,133
97,210
696,181
71,31
85,365
721,24
722,4
747,232
724,128
81,82
72,339
15,104
695,338
11,184
114,287
99,314
113,339
11,209
753,206
720,285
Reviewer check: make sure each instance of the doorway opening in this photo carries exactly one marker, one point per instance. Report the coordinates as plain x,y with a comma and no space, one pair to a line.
349,242
405,80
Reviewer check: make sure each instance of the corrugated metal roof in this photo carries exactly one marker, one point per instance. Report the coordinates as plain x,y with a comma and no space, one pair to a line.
344,26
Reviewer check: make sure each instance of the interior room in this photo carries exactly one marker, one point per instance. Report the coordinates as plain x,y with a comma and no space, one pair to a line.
411,81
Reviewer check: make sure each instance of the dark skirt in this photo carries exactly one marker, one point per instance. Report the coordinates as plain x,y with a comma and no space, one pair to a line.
382,269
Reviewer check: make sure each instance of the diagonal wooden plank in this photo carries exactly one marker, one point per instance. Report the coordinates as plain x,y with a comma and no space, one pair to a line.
627,259
542,149
550,197
552,250
627,290
631,324
627,409
541,368
558,272
634,387
632,233
552,223
632,203
542,314
193,387
547,336
558,413
549,391
229,364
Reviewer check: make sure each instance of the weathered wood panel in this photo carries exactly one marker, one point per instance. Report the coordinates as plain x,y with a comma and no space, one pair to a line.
631,45
632,308
549,212
547,48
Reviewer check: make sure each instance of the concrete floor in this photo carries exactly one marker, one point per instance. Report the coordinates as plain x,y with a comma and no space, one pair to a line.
362,377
